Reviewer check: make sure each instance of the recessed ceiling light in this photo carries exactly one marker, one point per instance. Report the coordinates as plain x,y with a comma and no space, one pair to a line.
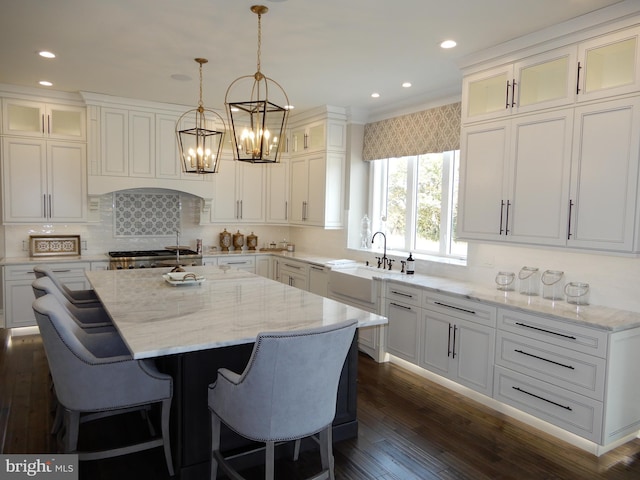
375,95
47,54
448,44
45,83
406,84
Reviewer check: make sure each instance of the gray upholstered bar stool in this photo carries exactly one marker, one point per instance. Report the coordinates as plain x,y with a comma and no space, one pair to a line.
287,392
80,298
93,319
107,383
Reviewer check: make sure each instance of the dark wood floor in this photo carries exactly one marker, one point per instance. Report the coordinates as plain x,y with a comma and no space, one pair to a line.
410,428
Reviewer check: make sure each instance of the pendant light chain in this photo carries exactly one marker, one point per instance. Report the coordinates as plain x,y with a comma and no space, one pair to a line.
259,38
200,103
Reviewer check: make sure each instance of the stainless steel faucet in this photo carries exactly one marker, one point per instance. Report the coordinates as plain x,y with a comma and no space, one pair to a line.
382,261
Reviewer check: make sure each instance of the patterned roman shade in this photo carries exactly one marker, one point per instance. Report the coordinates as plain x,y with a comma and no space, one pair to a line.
430,131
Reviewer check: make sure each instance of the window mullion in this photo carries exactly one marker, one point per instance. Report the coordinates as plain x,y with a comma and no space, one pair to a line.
412,203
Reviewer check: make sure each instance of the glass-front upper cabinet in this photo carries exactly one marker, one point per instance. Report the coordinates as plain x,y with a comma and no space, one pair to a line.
485,94
609,65
539,81
35,119
545,80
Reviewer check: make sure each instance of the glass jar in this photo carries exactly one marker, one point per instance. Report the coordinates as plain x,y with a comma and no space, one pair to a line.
552,284
506,281
529,281
577,293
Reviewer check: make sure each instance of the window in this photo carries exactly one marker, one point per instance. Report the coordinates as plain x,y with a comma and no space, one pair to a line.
415,200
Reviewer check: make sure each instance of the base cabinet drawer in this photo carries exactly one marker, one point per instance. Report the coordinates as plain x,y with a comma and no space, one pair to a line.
575,371
572,412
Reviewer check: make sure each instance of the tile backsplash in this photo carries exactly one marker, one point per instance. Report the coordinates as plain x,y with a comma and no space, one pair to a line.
146,214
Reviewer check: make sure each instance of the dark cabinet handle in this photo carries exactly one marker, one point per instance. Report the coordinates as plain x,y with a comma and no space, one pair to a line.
449,341
570,337
506,222
578,79
544,359
455,329
455,308
513,93
543,399
571,204
408,295
400,306
501,213
506,100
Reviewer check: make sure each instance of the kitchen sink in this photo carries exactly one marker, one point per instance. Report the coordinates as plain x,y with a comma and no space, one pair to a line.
357,282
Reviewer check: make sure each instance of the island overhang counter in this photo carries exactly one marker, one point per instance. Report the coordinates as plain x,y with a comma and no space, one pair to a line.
193,329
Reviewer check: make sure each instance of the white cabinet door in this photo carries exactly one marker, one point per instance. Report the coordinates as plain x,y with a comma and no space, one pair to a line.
44,181
486,94
458,349
403,330
55,121
604,175
318,280
609,65
299,189
277,192
24,178
67,181
142,148
483,210
114,135
238,193
540,155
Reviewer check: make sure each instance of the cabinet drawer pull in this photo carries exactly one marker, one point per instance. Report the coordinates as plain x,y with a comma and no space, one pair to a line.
293,266
319,269
400,306
546,331
543,399
544,359
236,263
472,312
408,295
66,270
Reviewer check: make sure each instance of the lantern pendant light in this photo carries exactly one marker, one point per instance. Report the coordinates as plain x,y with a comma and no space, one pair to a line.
200,142
258,114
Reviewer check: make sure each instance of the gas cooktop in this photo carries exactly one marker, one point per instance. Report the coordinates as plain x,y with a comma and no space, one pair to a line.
150,253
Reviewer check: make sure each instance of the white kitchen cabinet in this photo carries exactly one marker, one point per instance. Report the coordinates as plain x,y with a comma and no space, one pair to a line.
264,266
317,190
570,375
239,262
608,65
540,81
18,293
319,280
128,143
509,177
43,181
458,340
277,192
308,138
318,169
402,308
238,192
49,120
604,176
294,273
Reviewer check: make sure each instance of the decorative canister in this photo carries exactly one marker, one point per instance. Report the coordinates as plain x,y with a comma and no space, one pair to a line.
552,284
238,240
252,241
225,240
529,278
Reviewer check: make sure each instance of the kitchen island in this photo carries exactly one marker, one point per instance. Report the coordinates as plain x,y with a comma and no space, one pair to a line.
194,329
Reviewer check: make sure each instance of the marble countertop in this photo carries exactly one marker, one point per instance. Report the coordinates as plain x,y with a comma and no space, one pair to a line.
606,318
228,308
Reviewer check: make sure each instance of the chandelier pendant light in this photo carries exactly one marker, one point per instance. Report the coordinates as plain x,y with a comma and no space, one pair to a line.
201,139
258,115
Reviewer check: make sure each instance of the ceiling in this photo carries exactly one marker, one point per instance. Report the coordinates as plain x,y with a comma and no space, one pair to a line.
334,52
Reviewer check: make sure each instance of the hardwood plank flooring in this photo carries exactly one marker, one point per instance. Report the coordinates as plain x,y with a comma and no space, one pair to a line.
410,428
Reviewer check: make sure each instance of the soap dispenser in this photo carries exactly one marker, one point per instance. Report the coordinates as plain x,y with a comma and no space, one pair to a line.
411,265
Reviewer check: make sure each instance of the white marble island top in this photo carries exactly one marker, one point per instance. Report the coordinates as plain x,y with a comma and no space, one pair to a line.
228,308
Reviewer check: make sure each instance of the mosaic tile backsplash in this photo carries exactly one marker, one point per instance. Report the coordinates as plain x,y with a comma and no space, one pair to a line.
146,214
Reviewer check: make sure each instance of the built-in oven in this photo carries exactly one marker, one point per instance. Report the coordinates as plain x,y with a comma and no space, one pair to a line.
121,260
